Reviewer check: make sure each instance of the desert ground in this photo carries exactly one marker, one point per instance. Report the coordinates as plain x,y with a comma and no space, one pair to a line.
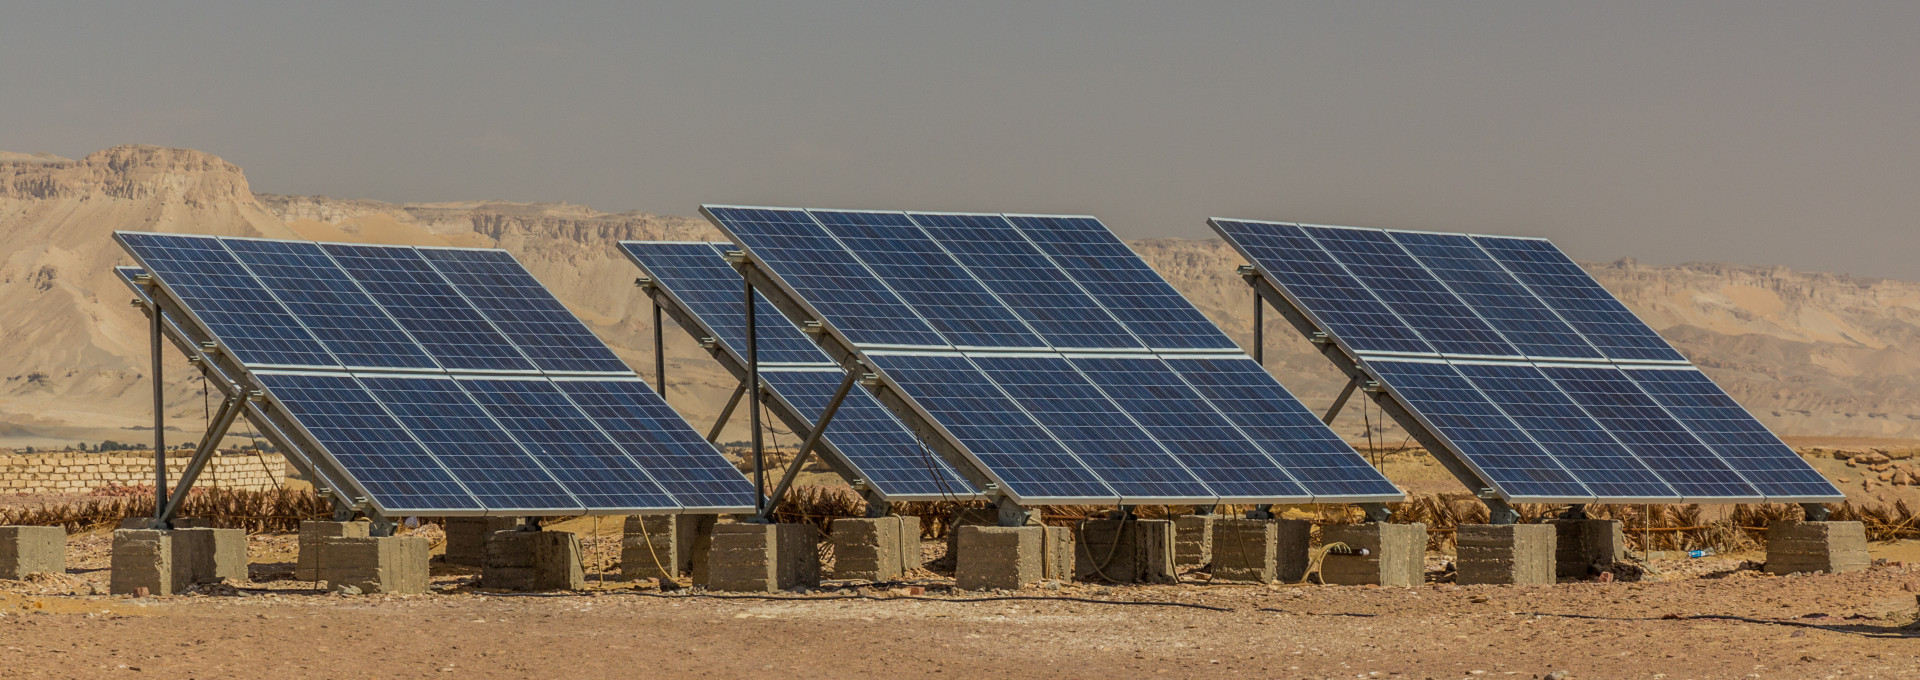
1692,618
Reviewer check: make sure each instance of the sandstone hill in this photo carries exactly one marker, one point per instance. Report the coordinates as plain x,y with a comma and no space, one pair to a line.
1813,354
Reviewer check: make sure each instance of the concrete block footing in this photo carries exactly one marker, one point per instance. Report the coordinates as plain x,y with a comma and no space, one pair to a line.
467,537
673,543
518,559
208,556
1396,554
313,535
1010,558
967,517
1193,540
142,558
382,564
1585,547
763,558
1806,547
32,550
1260,550
875,548
1515,554
1125,551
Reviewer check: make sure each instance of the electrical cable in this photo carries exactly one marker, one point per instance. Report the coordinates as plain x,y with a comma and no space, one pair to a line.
917,598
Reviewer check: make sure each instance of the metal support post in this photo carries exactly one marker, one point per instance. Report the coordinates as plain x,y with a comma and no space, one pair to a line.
876,506
726,414
1259,330
760,506
1575,511
1816,512
812,440
1261,511
1498,512
1203,509
159,410
1011,514
1340,401
209,445
1376,512
659,353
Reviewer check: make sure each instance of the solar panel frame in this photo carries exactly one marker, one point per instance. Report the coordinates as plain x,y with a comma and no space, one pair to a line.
1537,477
1357,326
700,484
1502,301
394,349
548,334
1693,469
1732,432
1149,307
908,262
430,308
567,443
1028,282
474,446
1583,303
289,340
1415,295
379,493
1567,431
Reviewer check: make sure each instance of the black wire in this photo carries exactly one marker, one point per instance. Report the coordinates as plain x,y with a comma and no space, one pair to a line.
1726,617
919,598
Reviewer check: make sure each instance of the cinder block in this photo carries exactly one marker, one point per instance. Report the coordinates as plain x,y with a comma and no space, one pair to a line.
675,542
32,550
208,556
467,538
1261,550
1193,540
1125,551
764,558
968,517
533,560
875,548
1010,558
142,558
313,537
1805,547
1396,554
383,564
1516,554
1583,547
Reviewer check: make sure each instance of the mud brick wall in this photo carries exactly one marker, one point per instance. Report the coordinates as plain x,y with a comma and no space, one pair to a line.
76,472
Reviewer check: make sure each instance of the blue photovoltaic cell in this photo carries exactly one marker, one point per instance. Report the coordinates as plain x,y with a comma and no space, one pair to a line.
329,304
1204,440
678,458
1478,430
1338,301
1027,281
483,457
568,445
1508,306
233,306
1126,457
1006,441
1560,426
1411,292
1293,437
1117,277
428,307
927,278
826,276
368,443
1639,422
1564,286
1741,441
700,278
508,295
883,451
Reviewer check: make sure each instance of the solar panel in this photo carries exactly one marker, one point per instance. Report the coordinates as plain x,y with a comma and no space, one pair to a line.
1324,289
703,283
420,443
1105,438
229,302
1570,291
1267,413
826,276
1411,291
429,308
470,444
1023,278
524,310
366,441
1742,442
1565,404
567,444
1133,292
1486,439
927,279
1485,286
884,451
329,304
1008,444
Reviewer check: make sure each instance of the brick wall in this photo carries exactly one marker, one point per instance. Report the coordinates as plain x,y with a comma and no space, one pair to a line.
75,472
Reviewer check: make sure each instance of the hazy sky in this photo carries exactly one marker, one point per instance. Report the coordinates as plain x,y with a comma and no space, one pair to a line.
1758,132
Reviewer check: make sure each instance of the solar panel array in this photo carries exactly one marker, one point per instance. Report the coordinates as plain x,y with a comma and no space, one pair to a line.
1536,376
441,380
1048,353
800,376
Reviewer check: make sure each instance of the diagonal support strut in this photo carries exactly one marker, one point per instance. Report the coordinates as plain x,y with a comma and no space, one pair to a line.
726,414
209,444
813,439
1340,401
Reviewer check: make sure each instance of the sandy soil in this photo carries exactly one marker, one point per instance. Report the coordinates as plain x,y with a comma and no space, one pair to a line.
1847,625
